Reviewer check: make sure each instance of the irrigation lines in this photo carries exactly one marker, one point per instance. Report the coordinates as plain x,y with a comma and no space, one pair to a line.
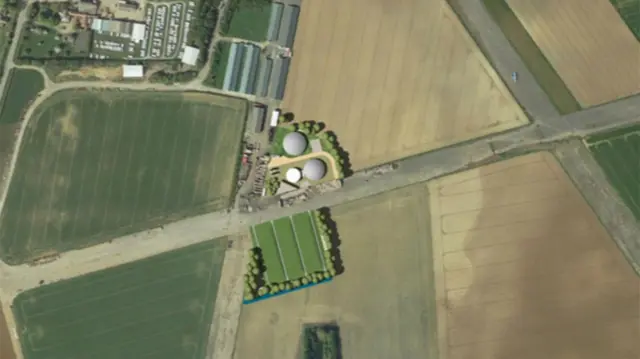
295,236
275,236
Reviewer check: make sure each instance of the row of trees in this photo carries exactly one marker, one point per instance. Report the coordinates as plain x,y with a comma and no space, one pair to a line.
272,184
275,288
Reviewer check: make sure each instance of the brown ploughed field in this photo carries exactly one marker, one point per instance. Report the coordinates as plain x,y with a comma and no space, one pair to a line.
6,349
525,270
394,78
587,43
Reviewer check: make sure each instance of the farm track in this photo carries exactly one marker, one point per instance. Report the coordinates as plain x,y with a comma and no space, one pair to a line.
547,127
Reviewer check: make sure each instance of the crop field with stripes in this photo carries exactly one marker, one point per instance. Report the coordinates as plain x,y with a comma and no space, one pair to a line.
156,308
96,165
290,247
618,154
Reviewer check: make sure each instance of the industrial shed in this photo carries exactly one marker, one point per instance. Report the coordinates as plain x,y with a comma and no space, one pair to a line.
132,71
242,68
283,24
190,56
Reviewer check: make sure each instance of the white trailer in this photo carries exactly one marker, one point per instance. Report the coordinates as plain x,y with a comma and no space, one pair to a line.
275,115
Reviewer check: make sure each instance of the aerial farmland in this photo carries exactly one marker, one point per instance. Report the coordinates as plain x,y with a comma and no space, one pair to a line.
591,48
401,79
382,302
6,349
95,165
524,269
159,307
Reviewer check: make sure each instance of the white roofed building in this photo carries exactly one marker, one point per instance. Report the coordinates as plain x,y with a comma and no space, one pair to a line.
138,32
190,56
132,71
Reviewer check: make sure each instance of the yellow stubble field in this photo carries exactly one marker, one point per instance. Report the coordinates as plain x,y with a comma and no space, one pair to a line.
525,270
384,300
394,78
587,43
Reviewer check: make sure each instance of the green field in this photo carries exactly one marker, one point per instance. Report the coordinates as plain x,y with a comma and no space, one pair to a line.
629,10
536,62
97,165
218,65
618,154
156,308
290,247
23,86
249,19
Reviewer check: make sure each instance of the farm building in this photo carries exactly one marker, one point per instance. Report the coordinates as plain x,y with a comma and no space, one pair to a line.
132,71
259,117
283,24
132,29
190,56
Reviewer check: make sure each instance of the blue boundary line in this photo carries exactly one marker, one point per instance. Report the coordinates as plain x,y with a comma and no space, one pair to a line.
267,296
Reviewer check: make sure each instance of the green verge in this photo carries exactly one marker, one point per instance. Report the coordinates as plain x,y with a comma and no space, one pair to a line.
286,239
23,86
267,242
629,10
534,59
159,307
308,242
218,66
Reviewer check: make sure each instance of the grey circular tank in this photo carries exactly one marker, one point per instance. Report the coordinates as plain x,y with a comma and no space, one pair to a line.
294,143
314,169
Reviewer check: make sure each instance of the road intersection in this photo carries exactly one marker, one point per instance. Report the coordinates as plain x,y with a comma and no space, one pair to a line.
547,129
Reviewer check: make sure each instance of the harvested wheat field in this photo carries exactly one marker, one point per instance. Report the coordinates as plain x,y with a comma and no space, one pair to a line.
6,348
383,303
394,79
590,47
525,270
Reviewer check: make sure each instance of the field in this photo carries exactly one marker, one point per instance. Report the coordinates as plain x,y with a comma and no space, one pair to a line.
22,89
617,153
249,19
525,270
95,165
290,247
382,302
402,79
592,50
218,65
630,12
6,350
533,58
159,307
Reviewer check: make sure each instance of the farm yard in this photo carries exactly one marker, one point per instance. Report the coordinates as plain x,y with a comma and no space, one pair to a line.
591,48
525,270
290,246
158,307
617,153
398,82
383,302
98,164
23,86
534,59
629,10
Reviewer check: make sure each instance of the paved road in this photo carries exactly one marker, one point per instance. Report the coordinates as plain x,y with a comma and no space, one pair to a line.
547,125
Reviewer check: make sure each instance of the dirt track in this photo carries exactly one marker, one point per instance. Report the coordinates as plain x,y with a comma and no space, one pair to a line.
394,79
525,270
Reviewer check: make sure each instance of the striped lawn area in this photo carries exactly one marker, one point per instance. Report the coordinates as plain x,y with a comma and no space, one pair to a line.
270,253
289,247
309,242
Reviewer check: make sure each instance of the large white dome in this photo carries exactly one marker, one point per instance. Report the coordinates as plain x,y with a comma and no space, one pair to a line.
294,143
314,169
293,175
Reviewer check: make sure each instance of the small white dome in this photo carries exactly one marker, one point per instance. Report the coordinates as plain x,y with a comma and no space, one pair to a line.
314,169
294,143
293,175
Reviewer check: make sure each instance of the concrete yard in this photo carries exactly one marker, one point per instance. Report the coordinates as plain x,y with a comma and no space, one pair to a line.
394,80
383,302
590,47
525,270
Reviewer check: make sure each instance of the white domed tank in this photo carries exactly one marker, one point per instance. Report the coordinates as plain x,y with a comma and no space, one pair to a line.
293,175
294,143
314,169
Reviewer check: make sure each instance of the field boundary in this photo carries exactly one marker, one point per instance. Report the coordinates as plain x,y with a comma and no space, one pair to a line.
295,236
267,296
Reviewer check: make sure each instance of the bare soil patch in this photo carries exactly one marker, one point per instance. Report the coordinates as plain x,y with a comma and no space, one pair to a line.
394,79
6,348
525,270
89,72
590,47
383,302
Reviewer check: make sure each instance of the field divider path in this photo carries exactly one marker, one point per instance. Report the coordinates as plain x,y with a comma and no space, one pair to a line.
295,236
275,235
